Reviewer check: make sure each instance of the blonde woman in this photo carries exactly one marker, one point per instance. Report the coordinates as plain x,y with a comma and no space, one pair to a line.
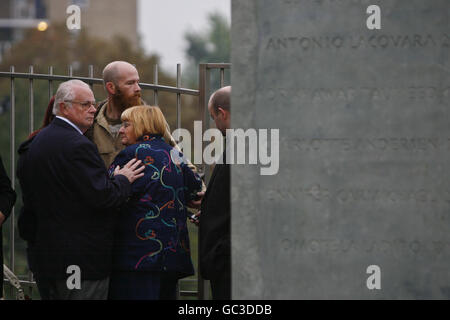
151,250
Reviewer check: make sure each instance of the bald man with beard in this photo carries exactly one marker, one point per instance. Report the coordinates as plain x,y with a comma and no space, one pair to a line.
121,82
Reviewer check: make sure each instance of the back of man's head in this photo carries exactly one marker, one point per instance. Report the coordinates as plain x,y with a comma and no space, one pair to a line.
221,98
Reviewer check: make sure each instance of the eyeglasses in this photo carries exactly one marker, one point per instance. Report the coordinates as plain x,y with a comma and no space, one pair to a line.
84,104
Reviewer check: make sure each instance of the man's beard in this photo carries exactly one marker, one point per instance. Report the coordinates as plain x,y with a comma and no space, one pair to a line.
127,102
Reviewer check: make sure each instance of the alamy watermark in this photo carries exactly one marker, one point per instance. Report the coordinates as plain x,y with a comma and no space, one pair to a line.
374,280
374,20
242,147
74,279
73,21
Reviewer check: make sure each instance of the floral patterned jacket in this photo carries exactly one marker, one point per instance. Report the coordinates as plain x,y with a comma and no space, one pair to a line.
151,231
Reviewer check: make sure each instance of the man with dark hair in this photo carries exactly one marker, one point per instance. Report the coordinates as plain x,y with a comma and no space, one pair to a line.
7,200
215,244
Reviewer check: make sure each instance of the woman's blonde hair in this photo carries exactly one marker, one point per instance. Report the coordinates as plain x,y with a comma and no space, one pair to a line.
147,120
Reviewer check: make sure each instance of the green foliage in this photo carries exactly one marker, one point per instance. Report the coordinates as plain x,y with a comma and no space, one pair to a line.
211,46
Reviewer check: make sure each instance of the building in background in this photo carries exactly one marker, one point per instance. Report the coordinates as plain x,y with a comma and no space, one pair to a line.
16,16
101,18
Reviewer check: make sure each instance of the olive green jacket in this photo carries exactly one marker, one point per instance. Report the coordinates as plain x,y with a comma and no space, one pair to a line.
99,133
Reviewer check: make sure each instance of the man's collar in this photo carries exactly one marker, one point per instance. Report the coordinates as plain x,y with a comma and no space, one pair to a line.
71,123
101,120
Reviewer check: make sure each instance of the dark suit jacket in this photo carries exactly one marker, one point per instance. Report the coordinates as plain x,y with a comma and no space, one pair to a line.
26,222
215,247
7,200
67,190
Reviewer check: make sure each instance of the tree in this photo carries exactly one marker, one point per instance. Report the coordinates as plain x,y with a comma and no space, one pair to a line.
211,46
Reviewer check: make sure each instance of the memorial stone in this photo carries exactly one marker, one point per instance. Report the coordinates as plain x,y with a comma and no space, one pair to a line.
364,124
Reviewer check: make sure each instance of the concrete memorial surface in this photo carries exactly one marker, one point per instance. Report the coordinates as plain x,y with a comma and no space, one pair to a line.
360,206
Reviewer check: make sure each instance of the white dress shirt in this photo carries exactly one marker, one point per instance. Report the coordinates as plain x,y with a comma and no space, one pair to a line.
71,123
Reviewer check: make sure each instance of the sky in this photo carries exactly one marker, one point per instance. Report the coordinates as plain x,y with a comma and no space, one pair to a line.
175,17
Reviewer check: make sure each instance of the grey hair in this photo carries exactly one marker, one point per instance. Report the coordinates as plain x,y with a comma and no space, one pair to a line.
65,92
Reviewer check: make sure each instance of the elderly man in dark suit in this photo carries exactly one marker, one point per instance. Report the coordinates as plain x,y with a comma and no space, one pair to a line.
67,189
215,247
7,200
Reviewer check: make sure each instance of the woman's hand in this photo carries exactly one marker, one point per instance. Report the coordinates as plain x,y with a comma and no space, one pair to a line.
195,218
131,170
196,203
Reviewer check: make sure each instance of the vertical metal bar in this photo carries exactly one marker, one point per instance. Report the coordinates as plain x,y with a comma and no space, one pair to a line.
70,71
222,77
203,102
50,83
31,128
155,81
12,166
207,117
178,290
91,75
178,96
178,127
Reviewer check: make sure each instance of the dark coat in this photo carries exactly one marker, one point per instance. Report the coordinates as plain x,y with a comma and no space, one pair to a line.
214,233
69,194
26,222
7,200
151,233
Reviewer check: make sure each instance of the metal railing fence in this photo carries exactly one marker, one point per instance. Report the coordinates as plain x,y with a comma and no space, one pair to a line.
203,94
